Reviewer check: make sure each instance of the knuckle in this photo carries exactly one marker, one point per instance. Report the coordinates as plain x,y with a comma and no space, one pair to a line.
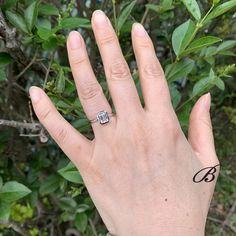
152,70
76,61
44,114
90,90
109,38
119,71
61,135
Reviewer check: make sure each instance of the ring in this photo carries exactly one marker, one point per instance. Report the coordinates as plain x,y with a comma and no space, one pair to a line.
102,117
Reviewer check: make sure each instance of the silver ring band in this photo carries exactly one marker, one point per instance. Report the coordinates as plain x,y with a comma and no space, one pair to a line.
103,117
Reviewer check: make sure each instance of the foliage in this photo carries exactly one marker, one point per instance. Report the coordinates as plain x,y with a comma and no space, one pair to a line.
40,190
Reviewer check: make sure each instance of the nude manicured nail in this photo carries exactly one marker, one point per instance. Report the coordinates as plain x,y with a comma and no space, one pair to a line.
139,30
100,19
207,101
74,40
34,94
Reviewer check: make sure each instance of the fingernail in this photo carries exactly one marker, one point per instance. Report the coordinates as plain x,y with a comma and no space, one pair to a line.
100,18
207,101
139,30
34,94
74,40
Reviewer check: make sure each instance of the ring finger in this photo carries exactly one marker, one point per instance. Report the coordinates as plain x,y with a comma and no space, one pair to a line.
89,90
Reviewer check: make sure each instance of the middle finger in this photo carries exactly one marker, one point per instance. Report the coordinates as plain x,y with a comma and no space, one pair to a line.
121,85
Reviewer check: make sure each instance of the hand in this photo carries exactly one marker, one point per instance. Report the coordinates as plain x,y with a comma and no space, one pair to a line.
139,168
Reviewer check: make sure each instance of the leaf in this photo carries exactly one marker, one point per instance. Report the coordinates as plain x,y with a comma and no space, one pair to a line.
201,43
48,10
175,95
12,191
193,8
67,204
71,174
221,9
75,22
204,84
81,222
44,33
226,45
182,35
60,81
31,14
220,84
8,4
179,70
3,75
1,181
125,14
50,184
17,21
5,59
5,210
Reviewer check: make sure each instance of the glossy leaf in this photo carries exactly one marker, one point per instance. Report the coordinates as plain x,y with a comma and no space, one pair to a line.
71,174
220,83
182,35
221,9
179,70
5,210
48,9
17,21
60,81
81,222
193,8
204,84
12,191
5,59
75,22
125,14
201,43
31,14
50,184
226,45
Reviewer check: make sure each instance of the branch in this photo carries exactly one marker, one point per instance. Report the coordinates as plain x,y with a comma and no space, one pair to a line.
13,46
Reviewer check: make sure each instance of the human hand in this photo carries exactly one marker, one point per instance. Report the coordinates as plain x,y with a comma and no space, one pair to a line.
139,168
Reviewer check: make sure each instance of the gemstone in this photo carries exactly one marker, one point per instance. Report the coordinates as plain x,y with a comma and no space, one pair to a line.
103,117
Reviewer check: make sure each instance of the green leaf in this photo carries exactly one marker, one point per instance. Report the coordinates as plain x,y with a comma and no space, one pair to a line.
5,59
71,174
201,43
45,34
50,184
31,14
75,22
60,81
182,35
193,8
81,222
220,83
179,70
8,4
17,21
48,10
1,181
204,84
67,204
12,191
175,95
125,14
226,45
221,9
5,210
3,76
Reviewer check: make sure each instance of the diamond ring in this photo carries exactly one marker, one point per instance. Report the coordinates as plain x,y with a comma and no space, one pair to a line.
102,117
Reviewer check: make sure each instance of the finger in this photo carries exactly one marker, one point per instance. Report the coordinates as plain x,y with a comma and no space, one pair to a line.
74,145
89,90
121,85
200,134
152,79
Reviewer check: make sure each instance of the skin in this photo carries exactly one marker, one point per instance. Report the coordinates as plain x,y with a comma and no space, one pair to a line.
139,168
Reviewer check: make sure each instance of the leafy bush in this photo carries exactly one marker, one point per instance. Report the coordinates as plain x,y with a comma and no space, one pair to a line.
40,191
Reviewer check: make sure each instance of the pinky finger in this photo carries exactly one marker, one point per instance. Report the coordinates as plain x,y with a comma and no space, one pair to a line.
74,145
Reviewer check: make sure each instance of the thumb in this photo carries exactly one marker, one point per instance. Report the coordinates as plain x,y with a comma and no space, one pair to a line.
200,134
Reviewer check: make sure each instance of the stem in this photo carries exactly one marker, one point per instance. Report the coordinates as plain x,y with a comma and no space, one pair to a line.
198,26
